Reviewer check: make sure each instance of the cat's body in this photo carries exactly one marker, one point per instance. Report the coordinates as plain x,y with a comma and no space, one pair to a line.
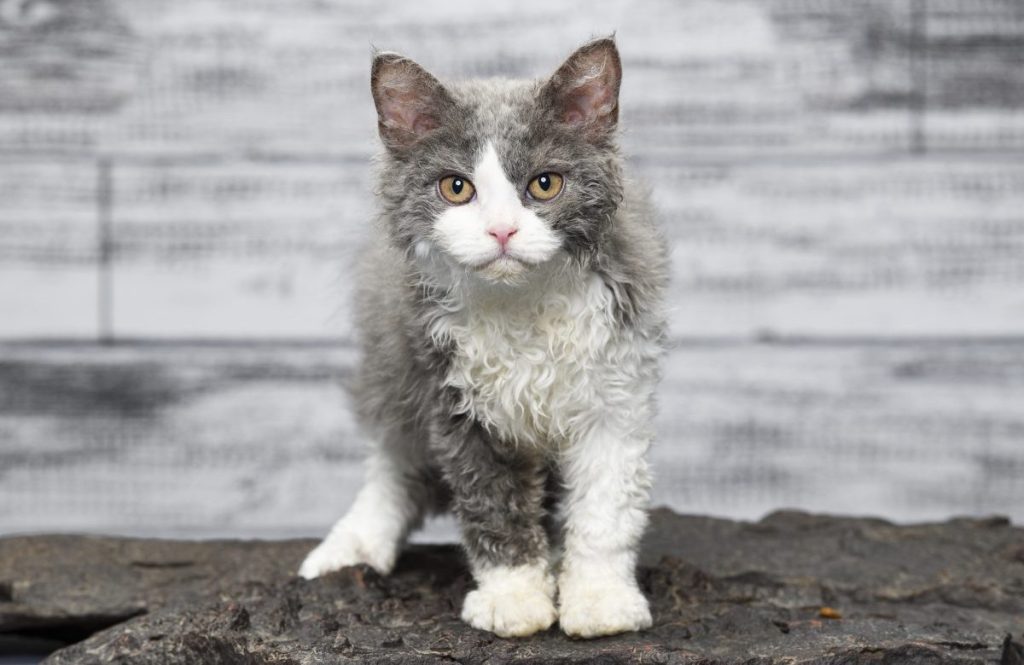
510,344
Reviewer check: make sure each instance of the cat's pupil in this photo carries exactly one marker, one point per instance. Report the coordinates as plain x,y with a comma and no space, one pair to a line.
544,182
457,186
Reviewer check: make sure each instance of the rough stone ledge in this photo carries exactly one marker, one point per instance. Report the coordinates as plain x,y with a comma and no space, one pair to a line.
792,588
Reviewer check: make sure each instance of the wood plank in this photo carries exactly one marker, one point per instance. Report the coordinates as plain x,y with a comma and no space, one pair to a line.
974,69
193,75
71,58
44,302
912,431
233,298
244,250
259,441
48,250
913,247
781,77
755,253
164,440
887,248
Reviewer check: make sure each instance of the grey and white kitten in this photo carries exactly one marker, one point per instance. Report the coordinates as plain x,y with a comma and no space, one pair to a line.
511,329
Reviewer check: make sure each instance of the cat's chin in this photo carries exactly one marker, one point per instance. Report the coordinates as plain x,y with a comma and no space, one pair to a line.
503,270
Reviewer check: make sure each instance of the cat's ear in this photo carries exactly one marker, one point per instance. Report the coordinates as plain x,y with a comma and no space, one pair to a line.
410,102
584,92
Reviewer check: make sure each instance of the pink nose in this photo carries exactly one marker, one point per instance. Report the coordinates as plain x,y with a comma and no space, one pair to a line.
502,234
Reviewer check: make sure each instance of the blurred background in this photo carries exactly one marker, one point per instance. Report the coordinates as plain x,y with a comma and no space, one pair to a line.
183,186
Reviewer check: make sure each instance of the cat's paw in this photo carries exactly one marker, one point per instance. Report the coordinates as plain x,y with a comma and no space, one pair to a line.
601,608
348,547
512,614
511,604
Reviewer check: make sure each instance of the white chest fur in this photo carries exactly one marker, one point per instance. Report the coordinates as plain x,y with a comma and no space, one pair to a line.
543,369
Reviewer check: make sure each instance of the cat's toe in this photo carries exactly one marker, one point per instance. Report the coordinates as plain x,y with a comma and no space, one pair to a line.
593,610
349,549
510,613
323,560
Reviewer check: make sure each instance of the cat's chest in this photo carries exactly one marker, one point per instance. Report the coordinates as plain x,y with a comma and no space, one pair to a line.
532,372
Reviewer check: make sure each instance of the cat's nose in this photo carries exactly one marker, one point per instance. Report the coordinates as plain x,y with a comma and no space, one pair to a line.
502,234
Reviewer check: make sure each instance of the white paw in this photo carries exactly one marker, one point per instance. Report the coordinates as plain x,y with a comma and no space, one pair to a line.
510,614
601,608
347,547
512,602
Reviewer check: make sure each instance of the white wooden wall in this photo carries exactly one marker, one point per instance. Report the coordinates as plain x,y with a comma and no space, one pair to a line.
842,182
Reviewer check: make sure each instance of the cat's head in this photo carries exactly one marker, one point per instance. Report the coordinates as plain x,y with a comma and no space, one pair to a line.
494,178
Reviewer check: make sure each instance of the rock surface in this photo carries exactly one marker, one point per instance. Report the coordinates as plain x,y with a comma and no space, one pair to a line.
792,588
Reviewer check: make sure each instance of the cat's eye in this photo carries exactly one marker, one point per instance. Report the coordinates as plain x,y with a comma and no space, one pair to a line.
456,189
545,187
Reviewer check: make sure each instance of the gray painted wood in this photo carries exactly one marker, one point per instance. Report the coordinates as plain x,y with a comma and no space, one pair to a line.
732,74
973,71
770,133
908,247
259,441
217,247
826,169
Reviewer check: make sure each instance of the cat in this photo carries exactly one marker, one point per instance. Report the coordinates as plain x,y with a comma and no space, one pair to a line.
511,326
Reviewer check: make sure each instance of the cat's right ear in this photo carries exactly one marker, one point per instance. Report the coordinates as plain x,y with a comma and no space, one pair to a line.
410,102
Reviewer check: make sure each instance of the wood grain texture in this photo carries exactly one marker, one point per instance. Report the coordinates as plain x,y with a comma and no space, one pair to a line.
973,74
48,250
260,441
911,247
736,75
893,248
770,132
826,169
240,250
70,58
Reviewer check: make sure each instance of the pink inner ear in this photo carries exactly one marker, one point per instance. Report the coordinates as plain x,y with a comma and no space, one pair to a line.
424,123
403,109
590,101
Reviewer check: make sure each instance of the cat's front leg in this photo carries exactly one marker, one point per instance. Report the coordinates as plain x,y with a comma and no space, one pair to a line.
605,512
392,501
497,495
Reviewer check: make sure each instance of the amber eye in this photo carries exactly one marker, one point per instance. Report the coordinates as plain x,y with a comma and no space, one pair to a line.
456,189
545,187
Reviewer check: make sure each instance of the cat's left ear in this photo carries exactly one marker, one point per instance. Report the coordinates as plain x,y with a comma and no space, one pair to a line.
584,92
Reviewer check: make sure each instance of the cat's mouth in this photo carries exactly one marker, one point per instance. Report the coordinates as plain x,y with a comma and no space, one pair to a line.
503,268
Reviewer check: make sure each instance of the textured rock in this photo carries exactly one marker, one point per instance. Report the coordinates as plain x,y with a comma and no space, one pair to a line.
793,588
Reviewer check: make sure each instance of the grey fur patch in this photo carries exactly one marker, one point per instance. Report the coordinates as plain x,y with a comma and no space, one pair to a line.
497,491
